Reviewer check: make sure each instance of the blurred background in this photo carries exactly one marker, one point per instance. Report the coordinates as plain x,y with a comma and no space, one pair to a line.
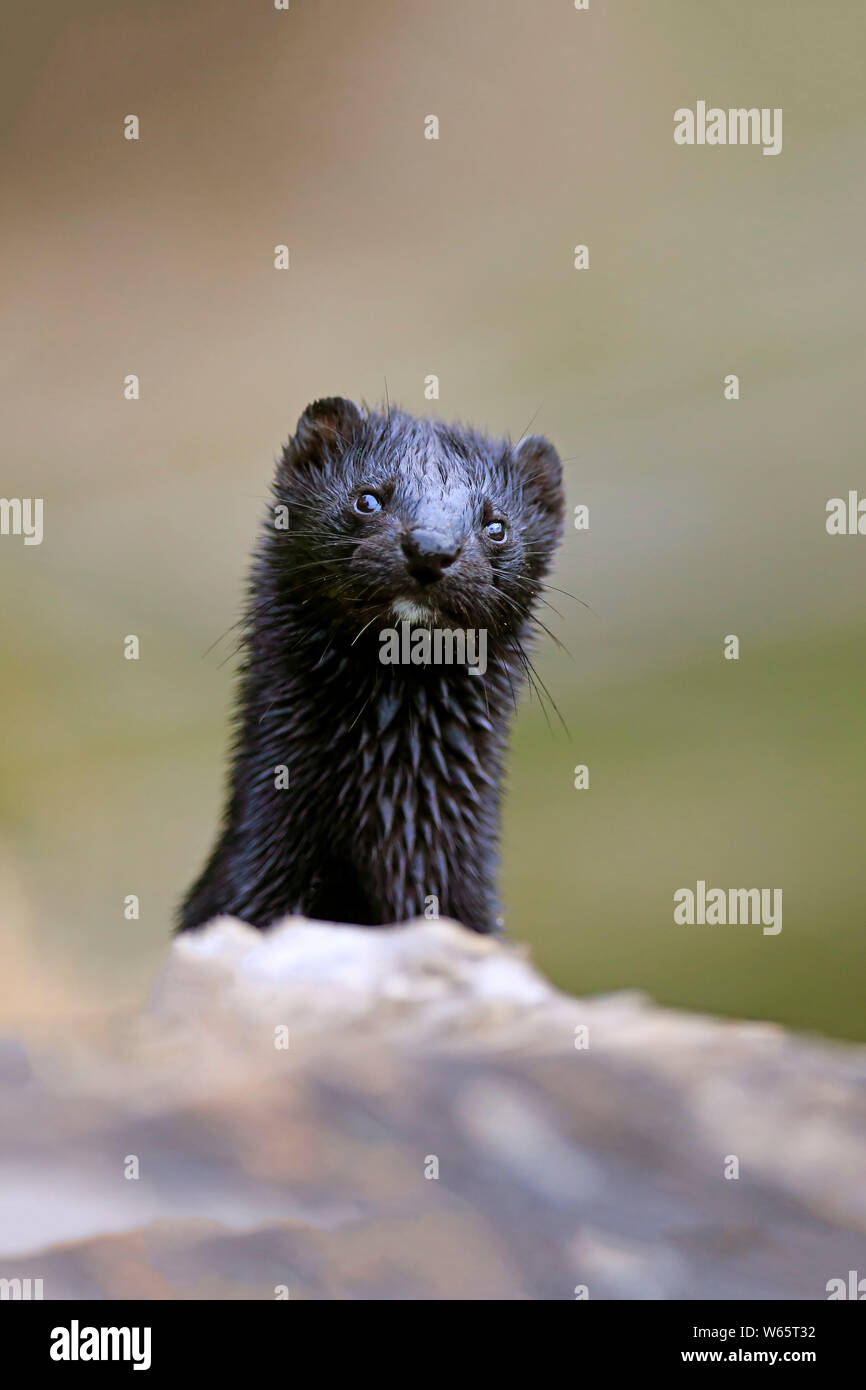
408,258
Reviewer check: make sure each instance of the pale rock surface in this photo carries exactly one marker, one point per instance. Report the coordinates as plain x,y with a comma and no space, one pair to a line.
559,1165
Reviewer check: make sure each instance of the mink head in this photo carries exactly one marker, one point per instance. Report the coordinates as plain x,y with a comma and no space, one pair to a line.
398,518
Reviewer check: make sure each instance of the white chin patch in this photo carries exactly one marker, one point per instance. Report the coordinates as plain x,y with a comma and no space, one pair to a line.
405,611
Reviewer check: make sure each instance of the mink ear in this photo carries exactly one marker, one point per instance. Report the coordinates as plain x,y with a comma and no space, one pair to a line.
325,430
541,471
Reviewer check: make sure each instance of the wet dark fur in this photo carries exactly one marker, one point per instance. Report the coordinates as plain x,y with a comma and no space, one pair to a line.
395,771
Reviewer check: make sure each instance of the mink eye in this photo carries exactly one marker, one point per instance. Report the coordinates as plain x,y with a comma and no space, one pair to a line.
368,502
497,532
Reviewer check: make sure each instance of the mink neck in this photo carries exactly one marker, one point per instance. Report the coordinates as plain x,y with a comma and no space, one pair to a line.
310,684
286,641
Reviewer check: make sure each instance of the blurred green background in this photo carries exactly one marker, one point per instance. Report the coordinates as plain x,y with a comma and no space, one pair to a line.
412,257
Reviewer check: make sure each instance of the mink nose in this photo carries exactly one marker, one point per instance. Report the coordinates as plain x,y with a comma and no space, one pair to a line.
428,553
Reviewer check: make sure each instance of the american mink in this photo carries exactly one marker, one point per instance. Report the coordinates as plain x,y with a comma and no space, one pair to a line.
394,771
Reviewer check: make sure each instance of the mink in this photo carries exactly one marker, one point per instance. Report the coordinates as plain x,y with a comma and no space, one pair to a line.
394,771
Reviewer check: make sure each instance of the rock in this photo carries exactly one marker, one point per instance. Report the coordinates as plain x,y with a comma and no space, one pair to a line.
578,1143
